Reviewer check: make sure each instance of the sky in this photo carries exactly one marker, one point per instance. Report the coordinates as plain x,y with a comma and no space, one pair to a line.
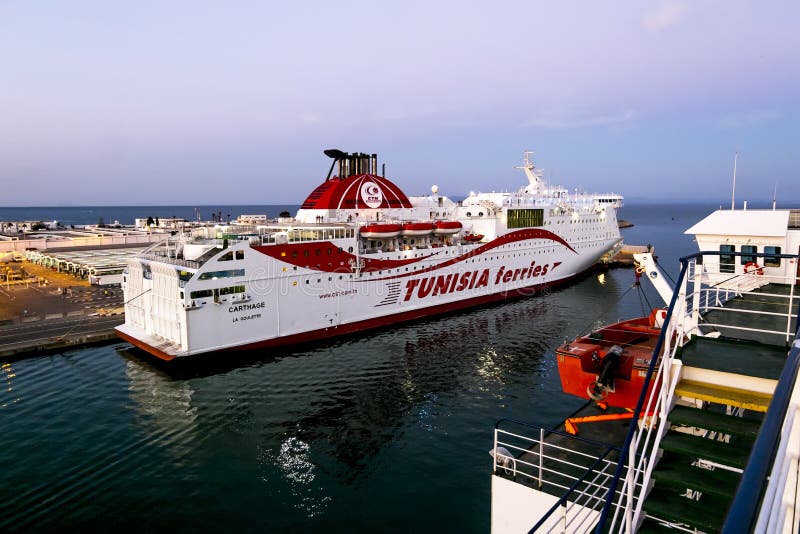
201,102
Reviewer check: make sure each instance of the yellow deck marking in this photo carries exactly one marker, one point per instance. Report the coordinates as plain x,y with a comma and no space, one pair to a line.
742,398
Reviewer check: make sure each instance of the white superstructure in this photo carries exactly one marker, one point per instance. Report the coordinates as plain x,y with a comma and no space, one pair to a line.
359,254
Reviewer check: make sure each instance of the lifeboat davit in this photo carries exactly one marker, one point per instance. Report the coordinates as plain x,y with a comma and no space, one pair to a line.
447,227
417,228
381,231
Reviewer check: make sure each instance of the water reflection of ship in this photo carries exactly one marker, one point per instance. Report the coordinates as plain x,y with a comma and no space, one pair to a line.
165,406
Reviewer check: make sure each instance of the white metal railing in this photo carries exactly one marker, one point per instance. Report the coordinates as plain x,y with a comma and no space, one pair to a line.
190,264
705,299
581,477
647,438
782,491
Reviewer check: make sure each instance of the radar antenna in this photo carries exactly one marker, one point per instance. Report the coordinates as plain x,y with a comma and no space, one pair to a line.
534,175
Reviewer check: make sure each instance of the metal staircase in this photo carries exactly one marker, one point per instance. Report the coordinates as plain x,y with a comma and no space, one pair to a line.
702,458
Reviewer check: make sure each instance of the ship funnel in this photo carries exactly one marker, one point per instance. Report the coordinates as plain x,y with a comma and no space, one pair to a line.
351,164
335,153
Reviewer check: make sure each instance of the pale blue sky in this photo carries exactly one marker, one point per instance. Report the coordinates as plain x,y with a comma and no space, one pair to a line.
199,102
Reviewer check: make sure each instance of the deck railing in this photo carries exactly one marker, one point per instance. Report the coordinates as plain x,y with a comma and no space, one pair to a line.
582,476
770,298
637,469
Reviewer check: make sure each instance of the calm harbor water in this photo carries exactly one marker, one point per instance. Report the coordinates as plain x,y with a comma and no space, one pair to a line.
388,430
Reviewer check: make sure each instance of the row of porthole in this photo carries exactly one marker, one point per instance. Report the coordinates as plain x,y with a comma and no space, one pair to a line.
307,253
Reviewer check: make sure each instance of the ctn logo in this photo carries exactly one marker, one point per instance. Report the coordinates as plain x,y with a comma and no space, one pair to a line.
371,194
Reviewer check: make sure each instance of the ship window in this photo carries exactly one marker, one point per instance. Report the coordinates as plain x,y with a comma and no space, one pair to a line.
211,275
201,294
746,257
525,218
240,254
184,275
306,253
726,261
226,257
772,261
231,290
294,253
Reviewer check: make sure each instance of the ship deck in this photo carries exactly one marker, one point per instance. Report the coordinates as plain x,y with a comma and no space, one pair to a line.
741,357
750,315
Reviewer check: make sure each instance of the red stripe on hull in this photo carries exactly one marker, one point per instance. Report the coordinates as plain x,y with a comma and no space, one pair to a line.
369,324
324,256
314,255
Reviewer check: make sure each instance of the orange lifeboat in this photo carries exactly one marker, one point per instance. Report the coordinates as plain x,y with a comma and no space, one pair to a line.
417,229
446,227
381,231
473,238
609,365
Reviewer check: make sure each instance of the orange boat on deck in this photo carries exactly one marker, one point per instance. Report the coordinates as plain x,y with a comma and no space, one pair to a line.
473,238
610,364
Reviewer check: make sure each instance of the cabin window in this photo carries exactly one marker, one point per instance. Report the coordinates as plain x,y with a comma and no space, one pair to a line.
226,257
231,290
772,261
212,275
201,294
748,252
726,261
525,218
240,254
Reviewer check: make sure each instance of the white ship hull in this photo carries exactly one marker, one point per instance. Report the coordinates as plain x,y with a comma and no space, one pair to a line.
314,280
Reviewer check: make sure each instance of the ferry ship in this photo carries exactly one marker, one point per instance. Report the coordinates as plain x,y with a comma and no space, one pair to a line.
359,254
712,442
